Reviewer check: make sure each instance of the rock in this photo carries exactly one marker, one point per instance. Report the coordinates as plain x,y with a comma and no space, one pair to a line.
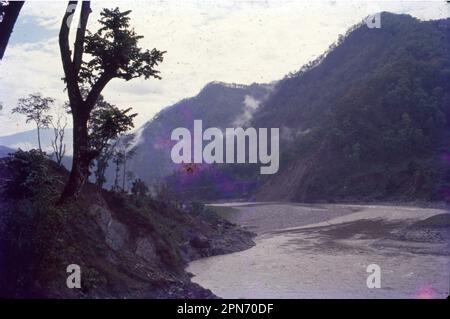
146,249
116,234
199,241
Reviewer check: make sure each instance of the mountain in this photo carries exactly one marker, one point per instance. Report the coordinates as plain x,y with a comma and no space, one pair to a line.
217,105
4,151
369,121
28,140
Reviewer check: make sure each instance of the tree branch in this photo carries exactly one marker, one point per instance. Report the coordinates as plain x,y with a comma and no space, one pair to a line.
79,41
71,78
11,12
97,88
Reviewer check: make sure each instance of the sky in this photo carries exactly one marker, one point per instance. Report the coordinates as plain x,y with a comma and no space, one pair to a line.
233,41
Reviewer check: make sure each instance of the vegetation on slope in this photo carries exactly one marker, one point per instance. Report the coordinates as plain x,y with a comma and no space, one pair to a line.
126,245
370,122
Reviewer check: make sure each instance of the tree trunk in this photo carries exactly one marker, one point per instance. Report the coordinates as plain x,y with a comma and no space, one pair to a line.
100,171
124,170
116,180
81,108
11,12
39,138
81,158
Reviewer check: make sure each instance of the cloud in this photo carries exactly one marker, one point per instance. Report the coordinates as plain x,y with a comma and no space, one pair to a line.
250,107
289,134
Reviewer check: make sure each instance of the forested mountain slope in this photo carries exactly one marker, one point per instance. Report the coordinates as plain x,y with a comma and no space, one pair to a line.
370,121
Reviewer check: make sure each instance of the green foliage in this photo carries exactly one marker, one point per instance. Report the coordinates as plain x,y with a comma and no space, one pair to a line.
33,239
35,107
101,164
107,122
160,220
379,99
114,48
111,52
39,239
30,176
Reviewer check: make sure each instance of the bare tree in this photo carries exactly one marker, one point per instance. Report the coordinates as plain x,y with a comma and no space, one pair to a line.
102,163
127,154
118,161
130,178
59,127
123,151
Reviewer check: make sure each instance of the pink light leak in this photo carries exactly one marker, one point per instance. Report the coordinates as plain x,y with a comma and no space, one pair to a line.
163,143
426,292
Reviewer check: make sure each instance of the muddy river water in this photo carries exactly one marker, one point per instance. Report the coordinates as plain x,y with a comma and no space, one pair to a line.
323,251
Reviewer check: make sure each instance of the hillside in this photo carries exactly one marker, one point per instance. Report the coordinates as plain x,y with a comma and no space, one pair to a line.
370,122
127,246
367,120
218,105
4,151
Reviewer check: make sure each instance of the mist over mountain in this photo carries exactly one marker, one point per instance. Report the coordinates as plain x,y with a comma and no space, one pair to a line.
217,105
368,120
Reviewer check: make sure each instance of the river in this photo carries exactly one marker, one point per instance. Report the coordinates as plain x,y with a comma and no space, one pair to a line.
323,251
